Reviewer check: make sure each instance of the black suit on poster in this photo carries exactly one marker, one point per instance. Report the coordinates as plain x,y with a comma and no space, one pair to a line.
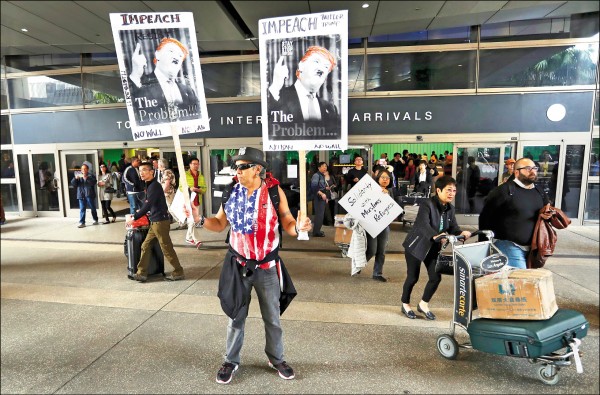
289,104
152,92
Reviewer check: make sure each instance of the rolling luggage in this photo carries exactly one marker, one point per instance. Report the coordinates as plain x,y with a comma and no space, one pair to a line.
410,204
527,339
133,250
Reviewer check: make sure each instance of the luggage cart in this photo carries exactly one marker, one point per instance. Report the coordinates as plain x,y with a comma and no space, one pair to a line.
343,234
554,343
410,204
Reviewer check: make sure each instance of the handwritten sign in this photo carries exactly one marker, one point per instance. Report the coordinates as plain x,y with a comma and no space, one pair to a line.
373,209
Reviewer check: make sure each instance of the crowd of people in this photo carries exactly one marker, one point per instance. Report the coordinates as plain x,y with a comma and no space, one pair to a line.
255,209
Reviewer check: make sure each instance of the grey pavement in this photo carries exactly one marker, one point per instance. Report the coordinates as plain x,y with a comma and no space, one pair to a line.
71,321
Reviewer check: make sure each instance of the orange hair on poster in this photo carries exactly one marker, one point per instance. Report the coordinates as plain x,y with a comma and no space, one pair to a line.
320,51
168,40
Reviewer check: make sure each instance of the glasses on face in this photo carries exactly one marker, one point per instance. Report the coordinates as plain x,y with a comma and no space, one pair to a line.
529,168
243,166
384,178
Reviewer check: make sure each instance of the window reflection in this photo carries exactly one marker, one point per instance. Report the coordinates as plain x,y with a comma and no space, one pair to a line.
595,157
43,91
8,164
421,71
537,67
238,79
103,88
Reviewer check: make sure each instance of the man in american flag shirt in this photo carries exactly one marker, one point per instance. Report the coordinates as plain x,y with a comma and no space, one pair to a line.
253,258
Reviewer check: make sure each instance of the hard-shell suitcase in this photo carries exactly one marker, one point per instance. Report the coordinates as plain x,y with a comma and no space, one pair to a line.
527,339
133,250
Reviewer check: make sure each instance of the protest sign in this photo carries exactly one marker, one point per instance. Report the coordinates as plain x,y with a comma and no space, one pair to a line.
304,80
160,73
373,208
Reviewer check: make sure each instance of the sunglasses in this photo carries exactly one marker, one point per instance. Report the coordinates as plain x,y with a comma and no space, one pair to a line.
244,166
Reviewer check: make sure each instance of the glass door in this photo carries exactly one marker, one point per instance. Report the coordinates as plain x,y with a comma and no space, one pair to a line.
72,161
39,182
477,169
560,172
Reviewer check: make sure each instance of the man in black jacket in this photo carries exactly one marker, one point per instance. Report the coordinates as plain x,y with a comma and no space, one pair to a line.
511,211
160,223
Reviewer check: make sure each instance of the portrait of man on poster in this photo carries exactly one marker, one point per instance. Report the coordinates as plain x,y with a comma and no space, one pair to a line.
300,106
163,95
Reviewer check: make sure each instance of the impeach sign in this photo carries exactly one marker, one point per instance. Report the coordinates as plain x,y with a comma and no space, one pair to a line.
374,209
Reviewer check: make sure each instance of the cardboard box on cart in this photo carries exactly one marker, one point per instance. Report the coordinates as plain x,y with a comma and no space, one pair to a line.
342,234
521,294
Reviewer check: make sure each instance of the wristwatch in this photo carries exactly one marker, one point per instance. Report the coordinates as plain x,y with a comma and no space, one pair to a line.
200,223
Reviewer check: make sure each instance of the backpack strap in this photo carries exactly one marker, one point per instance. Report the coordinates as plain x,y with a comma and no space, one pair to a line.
224,199
274,195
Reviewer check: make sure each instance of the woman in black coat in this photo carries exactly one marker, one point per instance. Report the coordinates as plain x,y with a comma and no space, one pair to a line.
435,217
422,179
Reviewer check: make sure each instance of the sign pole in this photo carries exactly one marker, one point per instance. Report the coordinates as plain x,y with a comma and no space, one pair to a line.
181,167
302,235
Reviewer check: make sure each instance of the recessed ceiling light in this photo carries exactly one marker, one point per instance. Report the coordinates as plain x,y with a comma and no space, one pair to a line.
460,65
365,5
24,30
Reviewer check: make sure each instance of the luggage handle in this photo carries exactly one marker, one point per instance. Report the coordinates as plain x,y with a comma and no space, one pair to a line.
516,349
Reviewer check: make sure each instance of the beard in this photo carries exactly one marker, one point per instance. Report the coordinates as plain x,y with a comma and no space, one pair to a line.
525,179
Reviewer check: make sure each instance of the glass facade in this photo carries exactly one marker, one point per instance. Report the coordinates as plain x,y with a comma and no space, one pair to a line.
423,62
538,67
45,91
102,87
421,71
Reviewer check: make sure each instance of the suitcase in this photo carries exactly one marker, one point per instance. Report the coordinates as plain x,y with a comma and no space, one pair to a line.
410,204
133,250
527,339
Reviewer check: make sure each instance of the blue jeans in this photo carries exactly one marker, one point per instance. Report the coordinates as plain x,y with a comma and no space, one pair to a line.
516,256
135,201
82,207
266,285
376,247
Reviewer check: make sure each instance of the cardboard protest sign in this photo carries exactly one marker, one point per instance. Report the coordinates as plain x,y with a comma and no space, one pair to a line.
160,73
304,82
373,209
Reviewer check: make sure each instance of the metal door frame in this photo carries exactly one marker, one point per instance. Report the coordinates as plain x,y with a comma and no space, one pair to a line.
69,212
473,219
29,151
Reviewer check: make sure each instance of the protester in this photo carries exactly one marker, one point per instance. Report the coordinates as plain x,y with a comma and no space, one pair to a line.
196,185
376,246
253,259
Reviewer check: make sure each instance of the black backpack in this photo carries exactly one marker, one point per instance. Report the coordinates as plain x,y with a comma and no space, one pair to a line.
273,195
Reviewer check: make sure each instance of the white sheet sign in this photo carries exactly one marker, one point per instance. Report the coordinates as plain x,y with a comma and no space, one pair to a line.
373,209
160,73
304,81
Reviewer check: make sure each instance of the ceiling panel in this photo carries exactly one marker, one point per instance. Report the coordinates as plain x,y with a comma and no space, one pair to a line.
407,12
574,7
87,23
16,18
360,20
211,22
252,11
519,10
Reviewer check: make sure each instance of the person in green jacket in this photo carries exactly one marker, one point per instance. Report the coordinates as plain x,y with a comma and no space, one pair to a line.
197,184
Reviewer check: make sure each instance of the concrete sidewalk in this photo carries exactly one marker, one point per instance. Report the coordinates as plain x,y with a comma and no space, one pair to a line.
73,323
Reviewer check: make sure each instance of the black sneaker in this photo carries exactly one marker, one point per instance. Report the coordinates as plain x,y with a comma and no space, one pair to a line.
380,278
285,371
225,374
